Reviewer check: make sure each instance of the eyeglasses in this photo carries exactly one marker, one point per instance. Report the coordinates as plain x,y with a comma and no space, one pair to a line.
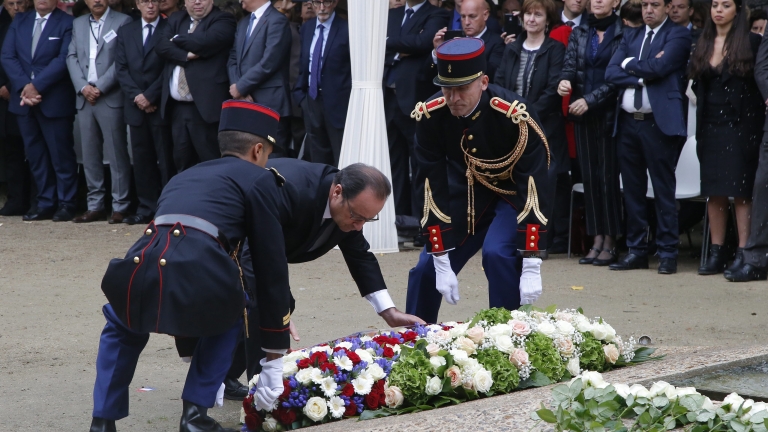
326,3
357,218
149,1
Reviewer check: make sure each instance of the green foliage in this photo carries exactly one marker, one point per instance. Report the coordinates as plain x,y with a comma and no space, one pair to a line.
544,356
592,354
492,316
504,373
410,373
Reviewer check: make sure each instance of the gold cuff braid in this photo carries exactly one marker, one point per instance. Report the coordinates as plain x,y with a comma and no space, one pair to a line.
429,205
532,204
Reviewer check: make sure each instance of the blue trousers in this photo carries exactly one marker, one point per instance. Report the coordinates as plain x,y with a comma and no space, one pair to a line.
119,350
496,234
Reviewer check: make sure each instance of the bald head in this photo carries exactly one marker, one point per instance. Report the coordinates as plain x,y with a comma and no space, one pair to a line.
474,14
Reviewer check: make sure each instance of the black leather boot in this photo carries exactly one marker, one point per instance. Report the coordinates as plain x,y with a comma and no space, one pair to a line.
102,425
747,273
195,418
738,261
715,263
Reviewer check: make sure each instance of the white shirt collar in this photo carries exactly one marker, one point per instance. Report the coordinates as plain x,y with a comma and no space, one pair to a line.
258,13
100,20
485,29
576,21
38,16
327,23
153,23
473,109
415,8
647,28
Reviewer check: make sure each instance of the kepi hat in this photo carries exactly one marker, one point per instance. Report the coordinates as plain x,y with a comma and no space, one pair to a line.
459,62
250,117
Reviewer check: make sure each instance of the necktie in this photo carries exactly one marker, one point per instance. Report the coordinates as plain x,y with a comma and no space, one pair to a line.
644,53
183,85
251,23
149,36
317,58
408,15
36,34
570,24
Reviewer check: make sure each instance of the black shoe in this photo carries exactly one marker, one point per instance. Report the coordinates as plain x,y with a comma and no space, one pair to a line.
102,425
233,390
195,418
10,209
587,260
746,273
38,215
738,260
715,263
604,262
630,262
137,220
419,241
668,266
64,214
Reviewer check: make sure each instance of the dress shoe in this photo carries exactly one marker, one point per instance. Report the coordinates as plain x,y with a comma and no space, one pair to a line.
233,390
668,266
746,273
738,260
195,418
630,262
588,260
11,209
604,262
90,216
64,214
116,218
137,219
715,263
102,425
39,214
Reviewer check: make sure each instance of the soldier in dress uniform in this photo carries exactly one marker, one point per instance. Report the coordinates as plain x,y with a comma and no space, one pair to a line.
182,278
482,162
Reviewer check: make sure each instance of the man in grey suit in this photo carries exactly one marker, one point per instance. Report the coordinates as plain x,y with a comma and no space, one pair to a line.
91,64
259,62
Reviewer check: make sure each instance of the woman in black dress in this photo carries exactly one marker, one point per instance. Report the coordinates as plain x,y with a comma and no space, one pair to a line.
729,122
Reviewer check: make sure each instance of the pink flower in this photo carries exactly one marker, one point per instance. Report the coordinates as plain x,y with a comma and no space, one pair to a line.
476,334
454,373
519,358
520,328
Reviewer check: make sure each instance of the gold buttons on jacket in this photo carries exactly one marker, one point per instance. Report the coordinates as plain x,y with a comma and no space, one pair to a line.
533,229
136,260
471,137
176,233
434,239
162,262
533,237
148,232
474,150
434,231
533,244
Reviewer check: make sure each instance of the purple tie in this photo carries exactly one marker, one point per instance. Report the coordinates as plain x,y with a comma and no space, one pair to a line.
317,58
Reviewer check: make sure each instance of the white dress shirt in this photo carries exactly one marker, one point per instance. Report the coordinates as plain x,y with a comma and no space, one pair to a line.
93,39
144,29
42,26
175,77
405,15
258,13
326,27
576,21
628,100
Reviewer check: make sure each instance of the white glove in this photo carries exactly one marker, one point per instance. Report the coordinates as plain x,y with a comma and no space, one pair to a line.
530,280
447,284
270,385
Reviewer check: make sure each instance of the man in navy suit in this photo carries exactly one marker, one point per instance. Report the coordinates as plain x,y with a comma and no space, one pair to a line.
648,69
139,71
408,79
43,99
325,81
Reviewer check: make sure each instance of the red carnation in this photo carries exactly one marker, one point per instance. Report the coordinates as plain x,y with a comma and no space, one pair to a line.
447,328
348,390
318,358
338,348
389,352
248,405
409,336
372,400
286,389
253,422
285,416
329,367
304,363
379,386
351,409
354,357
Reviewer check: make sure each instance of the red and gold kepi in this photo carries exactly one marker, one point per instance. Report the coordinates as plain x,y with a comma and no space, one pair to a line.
244,116
459,62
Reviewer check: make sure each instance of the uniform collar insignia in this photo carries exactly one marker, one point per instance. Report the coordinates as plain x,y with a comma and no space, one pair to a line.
477,114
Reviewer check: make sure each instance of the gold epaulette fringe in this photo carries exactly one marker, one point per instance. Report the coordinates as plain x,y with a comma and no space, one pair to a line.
430,206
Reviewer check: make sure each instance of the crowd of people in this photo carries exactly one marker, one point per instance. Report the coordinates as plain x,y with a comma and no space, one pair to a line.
141,85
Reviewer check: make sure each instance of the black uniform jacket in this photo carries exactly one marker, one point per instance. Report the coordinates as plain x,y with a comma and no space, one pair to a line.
487,134
187,284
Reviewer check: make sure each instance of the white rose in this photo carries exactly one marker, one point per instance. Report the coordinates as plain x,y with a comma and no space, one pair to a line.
519,358
611,336
658,388
443,336
434,386
476,334
565,346
270,424
564,328
336,406
520,328
289,368
304,376
674,393
437,362
708,405
362,385
364,339
325,348
344,363
316,375
344,344
364,355
459,330
482,381
611,353
432,349
573,366
600,331
328,386
759,406
594,379
315,408
546,328
396,349
466,345
734,401
459,357
639,391
582,323
622,390
376,372
563,316
295,355
253,382
471,366
504,344
747,407
500,330
393,397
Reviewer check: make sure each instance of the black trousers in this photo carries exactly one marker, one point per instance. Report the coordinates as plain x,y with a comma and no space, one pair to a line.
153,164
558,222
17,172
401,132
756,250
248,354
323,140
194,140
644,148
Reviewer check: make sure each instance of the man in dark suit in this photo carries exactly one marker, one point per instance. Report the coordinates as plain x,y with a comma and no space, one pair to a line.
648,69
258,63
456,19
408,74
139,71
16,169
43,99
325,81
195,45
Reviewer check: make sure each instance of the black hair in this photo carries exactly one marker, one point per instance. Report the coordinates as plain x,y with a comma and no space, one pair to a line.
757,14
737,49
632,11
356,178
237,142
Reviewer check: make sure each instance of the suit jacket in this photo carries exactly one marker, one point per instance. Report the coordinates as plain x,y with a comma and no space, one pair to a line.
79,53
5,23
494,51
335,72
260,67
413,73
48,65
661,74
206,75
761,72
139,72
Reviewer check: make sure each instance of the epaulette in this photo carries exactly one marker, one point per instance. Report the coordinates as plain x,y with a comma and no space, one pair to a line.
278,177
424,108
513,110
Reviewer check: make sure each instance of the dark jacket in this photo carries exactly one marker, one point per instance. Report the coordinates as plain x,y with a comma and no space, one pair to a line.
206,75
575,71
139,70
6,127
494,51
542,91
761,72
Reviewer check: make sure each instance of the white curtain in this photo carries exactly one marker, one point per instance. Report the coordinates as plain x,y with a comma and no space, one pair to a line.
365,133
